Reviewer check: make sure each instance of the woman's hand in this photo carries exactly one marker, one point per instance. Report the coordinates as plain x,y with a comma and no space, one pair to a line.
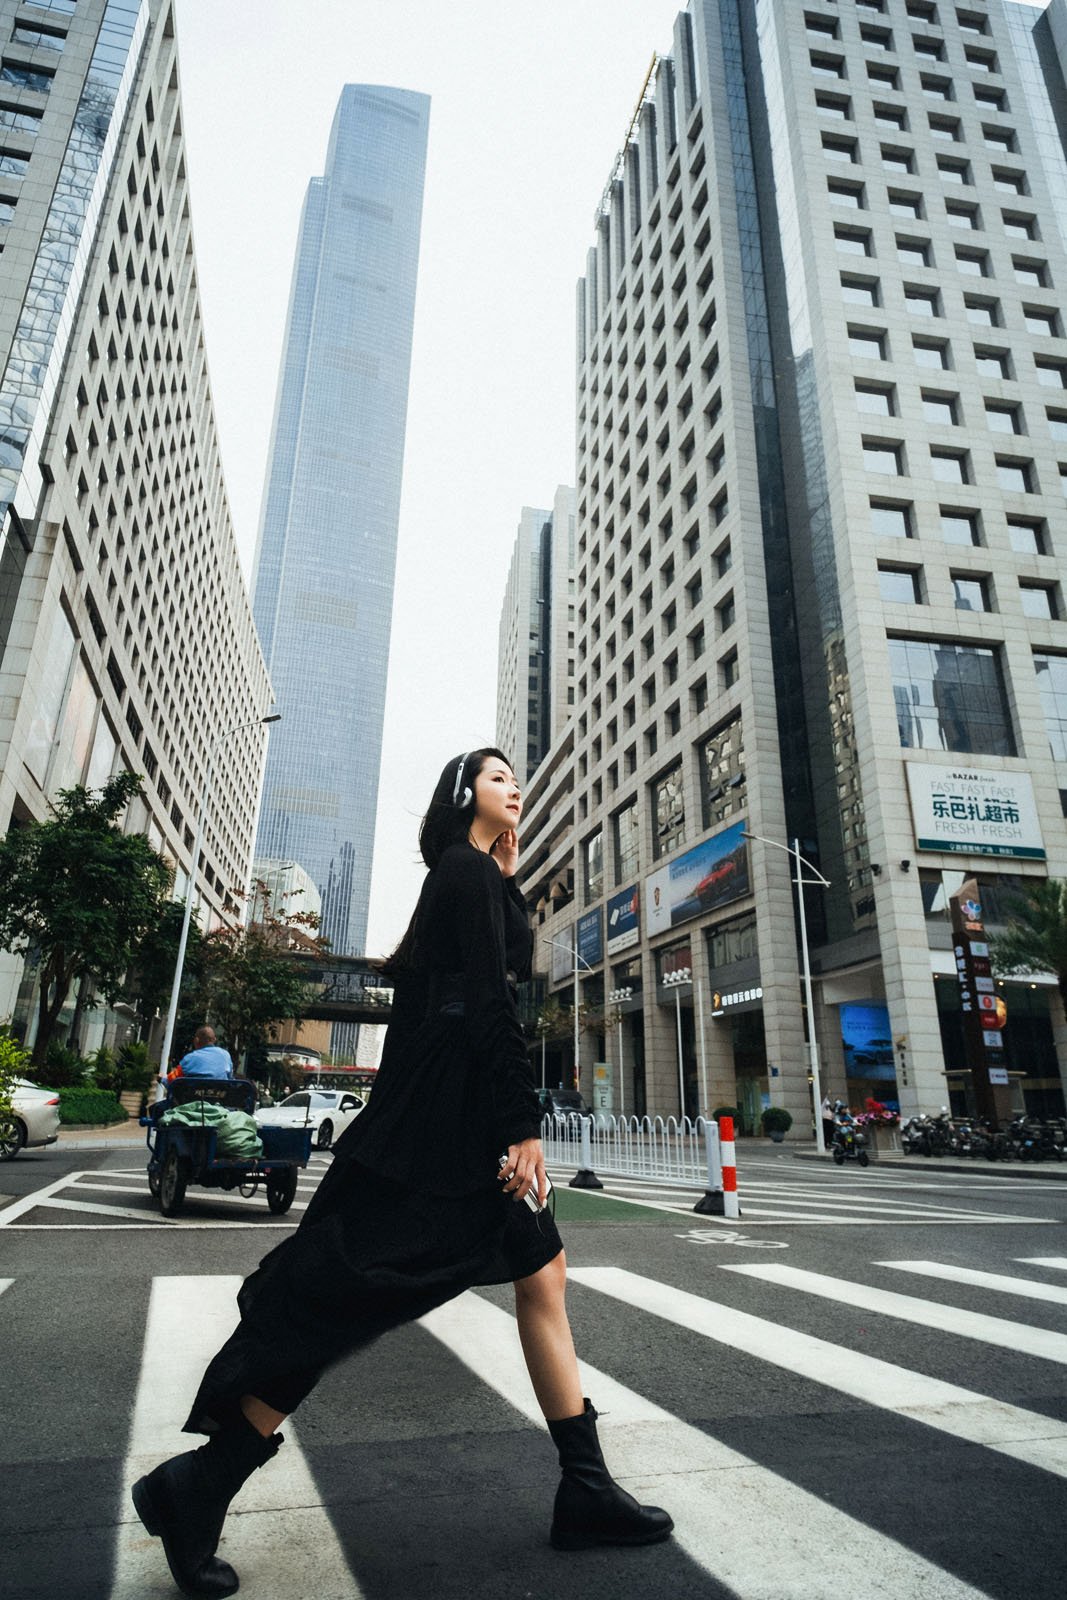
505,852
525,1170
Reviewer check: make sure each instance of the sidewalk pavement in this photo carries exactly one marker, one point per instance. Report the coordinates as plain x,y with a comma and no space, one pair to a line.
118,1135
1054,1170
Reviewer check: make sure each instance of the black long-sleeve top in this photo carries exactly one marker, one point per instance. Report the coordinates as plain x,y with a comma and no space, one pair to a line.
455,1086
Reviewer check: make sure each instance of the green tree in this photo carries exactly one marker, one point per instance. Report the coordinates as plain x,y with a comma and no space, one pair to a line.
151,975
80,893
251,980
1035,936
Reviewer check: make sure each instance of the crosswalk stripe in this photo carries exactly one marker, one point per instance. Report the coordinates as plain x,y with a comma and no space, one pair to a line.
278,1527
709,1488
1015,1336
1025,1288
5,1283
964,1413
28,1201
1059,1262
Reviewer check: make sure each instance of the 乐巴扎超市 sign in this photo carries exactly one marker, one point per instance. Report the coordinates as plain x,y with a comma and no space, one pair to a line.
973,811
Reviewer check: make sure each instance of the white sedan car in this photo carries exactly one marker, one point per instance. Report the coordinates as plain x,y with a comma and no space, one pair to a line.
327,1112
35,1121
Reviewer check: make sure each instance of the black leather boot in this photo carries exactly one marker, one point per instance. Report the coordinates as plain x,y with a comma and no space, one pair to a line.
590,1507
184,1502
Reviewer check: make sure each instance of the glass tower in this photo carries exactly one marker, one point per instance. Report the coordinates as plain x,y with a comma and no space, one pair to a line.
323,575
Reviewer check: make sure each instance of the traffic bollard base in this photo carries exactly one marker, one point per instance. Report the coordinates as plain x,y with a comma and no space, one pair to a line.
584,1179
711,1204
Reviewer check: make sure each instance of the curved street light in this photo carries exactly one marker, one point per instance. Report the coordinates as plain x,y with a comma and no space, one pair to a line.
813,1048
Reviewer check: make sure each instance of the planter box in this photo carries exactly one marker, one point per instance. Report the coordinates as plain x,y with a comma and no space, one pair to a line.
883,1141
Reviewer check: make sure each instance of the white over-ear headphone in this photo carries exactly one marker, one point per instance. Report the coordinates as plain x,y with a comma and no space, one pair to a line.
461,796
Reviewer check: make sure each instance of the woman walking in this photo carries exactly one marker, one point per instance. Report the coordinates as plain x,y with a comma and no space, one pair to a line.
426,1197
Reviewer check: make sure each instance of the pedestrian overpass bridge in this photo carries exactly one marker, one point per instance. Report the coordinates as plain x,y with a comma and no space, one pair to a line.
345,988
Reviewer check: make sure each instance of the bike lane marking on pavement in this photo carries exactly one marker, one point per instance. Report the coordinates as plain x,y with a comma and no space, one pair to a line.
1018,1337
963,1413
278,1526
708,1487
1025,1288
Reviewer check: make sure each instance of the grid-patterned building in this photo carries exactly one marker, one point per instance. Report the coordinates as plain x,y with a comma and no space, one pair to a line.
325,561
535,659
126,631
822,451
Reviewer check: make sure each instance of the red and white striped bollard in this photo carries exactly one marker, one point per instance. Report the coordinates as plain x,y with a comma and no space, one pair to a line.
730,1204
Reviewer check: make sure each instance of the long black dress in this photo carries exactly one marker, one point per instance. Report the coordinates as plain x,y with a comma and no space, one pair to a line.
411,1212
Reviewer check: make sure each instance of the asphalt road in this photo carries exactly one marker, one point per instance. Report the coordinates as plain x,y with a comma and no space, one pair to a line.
858,1389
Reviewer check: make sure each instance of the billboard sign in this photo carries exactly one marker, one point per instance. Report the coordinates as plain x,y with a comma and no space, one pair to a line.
708,876
974,812
591,937
623,919
562,954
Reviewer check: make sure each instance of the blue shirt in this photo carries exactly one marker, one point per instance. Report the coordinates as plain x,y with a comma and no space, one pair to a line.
211,1061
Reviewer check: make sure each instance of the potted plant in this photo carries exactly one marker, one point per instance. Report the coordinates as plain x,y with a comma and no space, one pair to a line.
777,1122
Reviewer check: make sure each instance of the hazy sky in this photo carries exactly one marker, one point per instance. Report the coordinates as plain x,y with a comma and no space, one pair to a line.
530,104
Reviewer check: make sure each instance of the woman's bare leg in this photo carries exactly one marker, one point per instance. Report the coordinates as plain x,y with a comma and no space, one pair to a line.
546,1341
261,1416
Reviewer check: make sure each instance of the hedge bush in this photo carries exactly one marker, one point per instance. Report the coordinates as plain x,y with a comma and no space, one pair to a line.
81,1106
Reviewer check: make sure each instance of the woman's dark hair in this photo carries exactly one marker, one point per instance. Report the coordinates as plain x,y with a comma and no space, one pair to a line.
447,821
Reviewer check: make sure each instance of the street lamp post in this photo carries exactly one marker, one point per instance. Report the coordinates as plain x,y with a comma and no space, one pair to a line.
573,950
813,1047
616,998
179,965
674,980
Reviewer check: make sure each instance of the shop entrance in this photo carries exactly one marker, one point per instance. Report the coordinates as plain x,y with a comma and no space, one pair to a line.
750,1067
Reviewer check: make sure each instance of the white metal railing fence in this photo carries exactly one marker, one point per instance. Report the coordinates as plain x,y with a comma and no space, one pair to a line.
669,1149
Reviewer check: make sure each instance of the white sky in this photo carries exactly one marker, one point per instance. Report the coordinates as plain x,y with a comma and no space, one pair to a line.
530,104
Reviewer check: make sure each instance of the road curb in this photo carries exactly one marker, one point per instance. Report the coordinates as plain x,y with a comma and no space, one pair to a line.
990,1169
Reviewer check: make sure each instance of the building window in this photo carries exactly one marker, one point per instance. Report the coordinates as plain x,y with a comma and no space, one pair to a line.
877,398
992,363
970,593
1038,600
668,811
1052,374
940,407
722,773
890,520
959,527
931,353
913,252
626,827
1052,682
1002,418
593,865
730,669
1027,535
729,942
899,585
950,466
880,455
1015,475
949,696
869,343
961,214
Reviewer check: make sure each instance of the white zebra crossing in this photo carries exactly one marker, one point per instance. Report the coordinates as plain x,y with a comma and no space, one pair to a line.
946,1272
963,1413
709,1488
279,1528
1019,1336
71,1194
828,1200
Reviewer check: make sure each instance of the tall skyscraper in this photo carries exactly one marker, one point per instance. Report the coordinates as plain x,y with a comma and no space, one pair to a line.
323,577
126,632
535,656
822,450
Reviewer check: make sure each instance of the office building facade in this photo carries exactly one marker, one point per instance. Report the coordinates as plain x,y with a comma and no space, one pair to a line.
325,561
822,450
535,657
119,567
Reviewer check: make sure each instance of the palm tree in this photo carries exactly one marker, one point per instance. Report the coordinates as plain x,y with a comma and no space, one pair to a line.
1035,938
